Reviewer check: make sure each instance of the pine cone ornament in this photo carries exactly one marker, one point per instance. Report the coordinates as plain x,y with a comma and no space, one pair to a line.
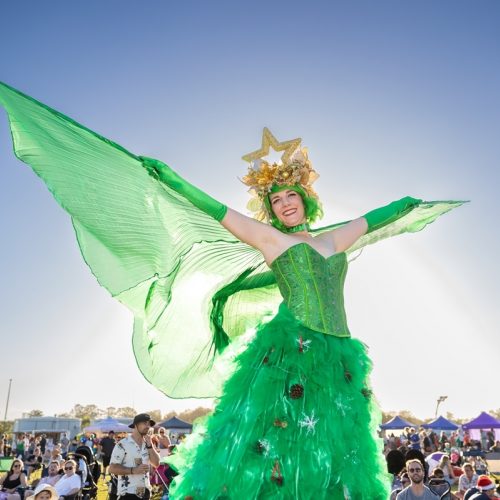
296,391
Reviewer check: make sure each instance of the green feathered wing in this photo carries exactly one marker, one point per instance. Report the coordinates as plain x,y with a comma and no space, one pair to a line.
193,288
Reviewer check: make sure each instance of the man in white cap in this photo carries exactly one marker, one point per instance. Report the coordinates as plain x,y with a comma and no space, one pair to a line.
486,488
45,492
131,460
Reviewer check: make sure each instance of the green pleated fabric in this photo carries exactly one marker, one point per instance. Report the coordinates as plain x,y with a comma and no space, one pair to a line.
188,281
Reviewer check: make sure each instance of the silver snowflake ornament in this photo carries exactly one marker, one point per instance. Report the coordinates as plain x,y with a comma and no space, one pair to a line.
308,422
264,446
343,404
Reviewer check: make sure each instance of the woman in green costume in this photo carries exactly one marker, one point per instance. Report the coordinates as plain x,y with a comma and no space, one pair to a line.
295,418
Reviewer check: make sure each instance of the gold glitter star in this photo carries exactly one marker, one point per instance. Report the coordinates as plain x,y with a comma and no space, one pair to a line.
268,140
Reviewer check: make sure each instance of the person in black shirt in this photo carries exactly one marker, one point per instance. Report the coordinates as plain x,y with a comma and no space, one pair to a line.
106,446
43,443
34,461
14,479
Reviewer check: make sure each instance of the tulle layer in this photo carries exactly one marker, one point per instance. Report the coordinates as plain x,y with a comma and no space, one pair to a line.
296,420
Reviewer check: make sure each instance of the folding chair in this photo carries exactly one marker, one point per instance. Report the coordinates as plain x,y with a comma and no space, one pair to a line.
5,463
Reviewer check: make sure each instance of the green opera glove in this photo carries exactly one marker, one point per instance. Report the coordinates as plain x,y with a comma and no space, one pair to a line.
383,215
198,198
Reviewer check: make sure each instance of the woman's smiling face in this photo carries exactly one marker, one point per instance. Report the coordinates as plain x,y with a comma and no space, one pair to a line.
288,207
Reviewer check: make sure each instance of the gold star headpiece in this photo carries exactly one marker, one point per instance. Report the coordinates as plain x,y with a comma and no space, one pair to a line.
293,169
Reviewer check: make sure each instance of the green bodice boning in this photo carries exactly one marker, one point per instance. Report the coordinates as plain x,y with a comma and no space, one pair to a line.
312,288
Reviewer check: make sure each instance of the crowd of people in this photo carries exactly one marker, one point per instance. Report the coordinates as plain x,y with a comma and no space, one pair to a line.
61,476
62,467
425,463
411,458
430,441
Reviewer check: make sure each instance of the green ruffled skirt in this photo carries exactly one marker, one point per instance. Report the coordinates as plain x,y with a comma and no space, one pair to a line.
296,420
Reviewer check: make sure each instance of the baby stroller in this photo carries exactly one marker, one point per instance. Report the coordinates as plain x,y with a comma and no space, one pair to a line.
161,479
89,470
440,487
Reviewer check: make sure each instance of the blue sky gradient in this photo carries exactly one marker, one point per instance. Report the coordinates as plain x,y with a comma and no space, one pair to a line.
392,98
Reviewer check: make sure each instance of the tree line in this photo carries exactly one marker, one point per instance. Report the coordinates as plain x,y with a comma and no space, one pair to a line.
87,413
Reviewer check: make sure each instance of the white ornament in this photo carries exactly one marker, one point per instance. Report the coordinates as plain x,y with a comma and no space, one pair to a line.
342,404
308,422
264,446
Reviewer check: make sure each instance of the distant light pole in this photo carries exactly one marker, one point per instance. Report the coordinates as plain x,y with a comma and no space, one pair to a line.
7,403
440,400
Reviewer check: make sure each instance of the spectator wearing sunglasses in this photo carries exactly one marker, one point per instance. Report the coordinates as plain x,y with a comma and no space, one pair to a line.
14,479
70,484
403,481
416,490
53,475
163,442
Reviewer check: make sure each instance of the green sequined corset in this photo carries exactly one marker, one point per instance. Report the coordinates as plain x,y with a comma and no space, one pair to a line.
312,288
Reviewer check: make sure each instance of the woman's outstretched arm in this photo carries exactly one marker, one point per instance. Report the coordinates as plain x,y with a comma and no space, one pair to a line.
344,237
246,229
256,234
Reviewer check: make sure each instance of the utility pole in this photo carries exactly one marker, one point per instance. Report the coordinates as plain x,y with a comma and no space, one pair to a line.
7,403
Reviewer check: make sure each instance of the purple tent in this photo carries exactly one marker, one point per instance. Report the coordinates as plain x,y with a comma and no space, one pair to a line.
397,423
441,424
484,421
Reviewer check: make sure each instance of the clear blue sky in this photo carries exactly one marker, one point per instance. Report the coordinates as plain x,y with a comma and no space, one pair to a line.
392,98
